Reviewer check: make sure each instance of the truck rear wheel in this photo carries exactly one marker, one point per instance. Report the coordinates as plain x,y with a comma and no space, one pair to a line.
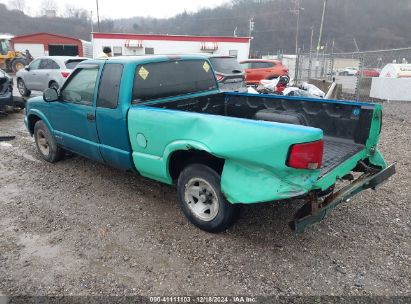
46,144
202,201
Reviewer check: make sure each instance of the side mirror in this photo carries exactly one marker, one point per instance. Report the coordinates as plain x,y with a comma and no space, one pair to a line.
50,95
27,68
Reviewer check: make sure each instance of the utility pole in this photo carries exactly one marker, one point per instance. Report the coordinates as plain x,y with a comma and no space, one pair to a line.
321,28
297,11
98,16
310,62
92,24
250,31
251,26
356,45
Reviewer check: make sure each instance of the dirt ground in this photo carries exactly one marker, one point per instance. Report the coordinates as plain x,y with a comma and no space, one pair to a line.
82,228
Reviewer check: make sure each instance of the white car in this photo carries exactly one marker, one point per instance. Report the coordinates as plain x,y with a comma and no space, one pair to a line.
45,72
349,71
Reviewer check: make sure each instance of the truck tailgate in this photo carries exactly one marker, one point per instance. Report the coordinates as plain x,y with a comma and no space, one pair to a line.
336,151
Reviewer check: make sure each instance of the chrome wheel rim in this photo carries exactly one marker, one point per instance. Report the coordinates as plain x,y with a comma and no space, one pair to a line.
42,143
202,199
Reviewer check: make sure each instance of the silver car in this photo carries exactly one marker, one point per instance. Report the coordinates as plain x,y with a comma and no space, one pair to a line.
45,72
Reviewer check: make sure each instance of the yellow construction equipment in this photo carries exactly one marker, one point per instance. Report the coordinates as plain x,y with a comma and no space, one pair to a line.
10,60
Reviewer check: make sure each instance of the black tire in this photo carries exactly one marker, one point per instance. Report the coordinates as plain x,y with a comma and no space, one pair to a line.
54,85
218,220
21,86
46,144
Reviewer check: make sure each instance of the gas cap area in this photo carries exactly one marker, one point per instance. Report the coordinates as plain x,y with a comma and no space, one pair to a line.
141,140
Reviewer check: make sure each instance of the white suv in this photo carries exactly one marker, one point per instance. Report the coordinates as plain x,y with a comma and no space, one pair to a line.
45,72
349,71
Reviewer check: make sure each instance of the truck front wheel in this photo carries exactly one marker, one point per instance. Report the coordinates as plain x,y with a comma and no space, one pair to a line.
46,144
202,201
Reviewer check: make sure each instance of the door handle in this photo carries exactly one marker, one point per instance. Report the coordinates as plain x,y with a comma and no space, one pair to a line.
91,117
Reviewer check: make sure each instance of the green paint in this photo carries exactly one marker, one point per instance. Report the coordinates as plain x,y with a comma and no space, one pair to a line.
255,152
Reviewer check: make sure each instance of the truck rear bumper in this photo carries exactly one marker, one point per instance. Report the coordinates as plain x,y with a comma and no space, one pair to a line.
314,210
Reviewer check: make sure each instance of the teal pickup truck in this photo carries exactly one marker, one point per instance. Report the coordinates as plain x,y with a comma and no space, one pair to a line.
165,118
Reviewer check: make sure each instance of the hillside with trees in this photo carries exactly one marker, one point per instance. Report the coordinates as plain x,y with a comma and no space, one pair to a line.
375,24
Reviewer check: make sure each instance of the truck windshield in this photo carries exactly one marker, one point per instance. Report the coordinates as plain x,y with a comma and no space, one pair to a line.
172,78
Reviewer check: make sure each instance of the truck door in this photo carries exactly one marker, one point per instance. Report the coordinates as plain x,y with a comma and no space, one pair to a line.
73,117
111,117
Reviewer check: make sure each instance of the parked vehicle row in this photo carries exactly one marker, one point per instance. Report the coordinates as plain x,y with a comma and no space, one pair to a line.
354,71
51,72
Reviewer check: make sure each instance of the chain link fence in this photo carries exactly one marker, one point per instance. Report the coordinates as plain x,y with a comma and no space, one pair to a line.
354,71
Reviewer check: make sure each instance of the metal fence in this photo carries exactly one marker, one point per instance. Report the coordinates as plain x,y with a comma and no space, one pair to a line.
354,71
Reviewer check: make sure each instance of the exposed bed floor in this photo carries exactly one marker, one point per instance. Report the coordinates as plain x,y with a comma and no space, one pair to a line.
336,151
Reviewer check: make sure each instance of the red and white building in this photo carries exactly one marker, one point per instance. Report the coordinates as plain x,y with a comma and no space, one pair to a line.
48,44
138,44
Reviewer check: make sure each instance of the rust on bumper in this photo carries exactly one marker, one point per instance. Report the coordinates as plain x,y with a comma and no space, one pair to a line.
315,209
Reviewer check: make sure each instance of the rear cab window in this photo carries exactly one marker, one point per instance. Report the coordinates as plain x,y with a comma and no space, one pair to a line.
226,65
172,78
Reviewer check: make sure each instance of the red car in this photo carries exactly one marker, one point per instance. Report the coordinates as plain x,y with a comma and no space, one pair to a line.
369,73
258,69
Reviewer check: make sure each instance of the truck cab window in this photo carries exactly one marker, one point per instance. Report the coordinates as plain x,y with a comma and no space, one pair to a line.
172,78
80,87
110,86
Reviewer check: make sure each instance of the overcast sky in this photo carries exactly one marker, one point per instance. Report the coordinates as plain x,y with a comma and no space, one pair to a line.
129,8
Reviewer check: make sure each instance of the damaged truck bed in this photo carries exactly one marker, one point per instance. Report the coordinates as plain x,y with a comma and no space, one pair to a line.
165,118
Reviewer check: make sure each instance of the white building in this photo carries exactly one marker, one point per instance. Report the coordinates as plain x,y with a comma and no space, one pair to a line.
137,44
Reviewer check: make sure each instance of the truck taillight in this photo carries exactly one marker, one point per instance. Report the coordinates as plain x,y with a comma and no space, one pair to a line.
219,77
306,156
65,74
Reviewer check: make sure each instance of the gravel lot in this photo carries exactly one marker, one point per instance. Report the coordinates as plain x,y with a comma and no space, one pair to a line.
81,228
